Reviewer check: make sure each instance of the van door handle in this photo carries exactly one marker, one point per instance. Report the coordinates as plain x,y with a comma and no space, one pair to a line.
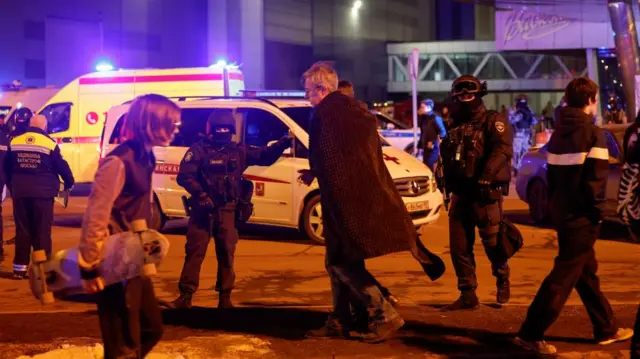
66,139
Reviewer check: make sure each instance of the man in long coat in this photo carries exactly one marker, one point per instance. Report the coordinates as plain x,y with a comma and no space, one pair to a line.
363,213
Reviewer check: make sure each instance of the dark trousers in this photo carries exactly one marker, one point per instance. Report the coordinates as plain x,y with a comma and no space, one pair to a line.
430,157
467,213
351,282
34,218
202,224
635,341
574,267
130,319
358,308
2,184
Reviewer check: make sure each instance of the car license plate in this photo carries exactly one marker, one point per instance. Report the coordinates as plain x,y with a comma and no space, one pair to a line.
418,206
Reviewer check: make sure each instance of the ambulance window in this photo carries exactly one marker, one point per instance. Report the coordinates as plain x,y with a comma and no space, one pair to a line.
115,135
193,128
58,115
262,127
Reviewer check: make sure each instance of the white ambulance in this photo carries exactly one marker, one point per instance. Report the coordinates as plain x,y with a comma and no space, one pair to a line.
76,114
14,97
279,200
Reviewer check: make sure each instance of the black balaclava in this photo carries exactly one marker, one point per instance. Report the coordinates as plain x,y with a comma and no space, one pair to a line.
221,135
466,111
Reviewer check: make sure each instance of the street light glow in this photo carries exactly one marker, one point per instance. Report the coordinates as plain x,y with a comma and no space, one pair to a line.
357,5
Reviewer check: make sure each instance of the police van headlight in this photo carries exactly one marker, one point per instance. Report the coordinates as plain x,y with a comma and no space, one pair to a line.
434,184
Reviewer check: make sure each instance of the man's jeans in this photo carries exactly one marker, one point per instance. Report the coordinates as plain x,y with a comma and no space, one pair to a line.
353,278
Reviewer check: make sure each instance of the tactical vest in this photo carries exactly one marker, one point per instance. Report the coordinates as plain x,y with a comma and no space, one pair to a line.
223,168
526,121
464,151
134,201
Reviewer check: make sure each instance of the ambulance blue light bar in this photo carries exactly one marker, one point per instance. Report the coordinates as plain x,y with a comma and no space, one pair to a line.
273,93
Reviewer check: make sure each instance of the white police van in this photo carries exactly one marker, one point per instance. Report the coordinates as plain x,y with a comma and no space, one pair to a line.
398,134
279,200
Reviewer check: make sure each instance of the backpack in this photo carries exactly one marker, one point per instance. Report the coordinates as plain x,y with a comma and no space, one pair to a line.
510,240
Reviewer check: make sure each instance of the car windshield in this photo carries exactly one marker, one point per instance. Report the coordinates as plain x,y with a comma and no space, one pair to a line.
302,116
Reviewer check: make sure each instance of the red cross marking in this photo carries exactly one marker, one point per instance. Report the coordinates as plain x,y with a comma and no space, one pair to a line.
389,158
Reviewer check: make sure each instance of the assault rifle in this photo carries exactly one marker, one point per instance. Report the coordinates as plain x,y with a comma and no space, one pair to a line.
442,184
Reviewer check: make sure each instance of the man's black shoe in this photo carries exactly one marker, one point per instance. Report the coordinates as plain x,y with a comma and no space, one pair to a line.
331,329
182,302
379,332
20,275
467,301
503,292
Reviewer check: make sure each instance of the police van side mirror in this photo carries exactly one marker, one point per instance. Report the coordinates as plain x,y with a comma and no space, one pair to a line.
391,126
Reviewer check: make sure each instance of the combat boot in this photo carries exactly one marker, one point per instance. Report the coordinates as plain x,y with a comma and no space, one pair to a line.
467,301
224,301
503,291
182,302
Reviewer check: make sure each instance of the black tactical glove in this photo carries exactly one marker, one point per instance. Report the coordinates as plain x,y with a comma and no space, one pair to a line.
286,141
205,201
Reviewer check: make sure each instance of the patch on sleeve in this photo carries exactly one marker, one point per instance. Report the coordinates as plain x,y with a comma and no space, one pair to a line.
500,126
188,156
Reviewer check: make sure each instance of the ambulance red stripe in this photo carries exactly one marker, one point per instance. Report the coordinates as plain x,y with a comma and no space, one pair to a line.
172,169
157,78
76,140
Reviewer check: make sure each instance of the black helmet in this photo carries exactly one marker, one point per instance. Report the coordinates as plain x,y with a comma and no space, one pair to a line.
470,85
222,119
22,116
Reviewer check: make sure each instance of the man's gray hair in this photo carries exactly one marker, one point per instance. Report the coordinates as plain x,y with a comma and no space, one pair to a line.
322,75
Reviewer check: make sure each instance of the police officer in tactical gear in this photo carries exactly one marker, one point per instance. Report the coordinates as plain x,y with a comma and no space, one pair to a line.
523,120
476,157
211,171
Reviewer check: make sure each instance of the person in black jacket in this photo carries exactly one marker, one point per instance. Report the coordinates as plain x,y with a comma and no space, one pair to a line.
4,146
578,166
32,166
211,171
476,158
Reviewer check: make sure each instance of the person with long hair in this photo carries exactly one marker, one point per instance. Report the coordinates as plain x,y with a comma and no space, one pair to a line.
130,319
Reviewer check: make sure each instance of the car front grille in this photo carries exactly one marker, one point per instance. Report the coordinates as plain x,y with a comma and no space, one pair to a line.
412,186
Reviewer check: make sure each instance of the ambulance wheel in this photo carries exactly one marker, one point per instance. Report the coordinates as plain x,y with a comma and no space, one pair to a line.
158,219
312,226
39,256
538,201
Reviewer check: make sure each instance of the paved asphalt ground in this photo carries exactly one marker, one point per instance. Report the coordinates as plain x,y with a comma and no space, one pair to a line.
283,290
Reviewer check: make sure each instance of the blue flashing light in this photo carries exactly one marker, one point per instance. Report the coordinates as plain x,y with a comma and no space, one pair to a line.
219,64
104,66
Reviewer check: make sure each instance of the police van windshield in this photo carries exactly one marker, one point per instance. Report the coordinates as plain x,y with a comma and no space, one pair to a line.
302,116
